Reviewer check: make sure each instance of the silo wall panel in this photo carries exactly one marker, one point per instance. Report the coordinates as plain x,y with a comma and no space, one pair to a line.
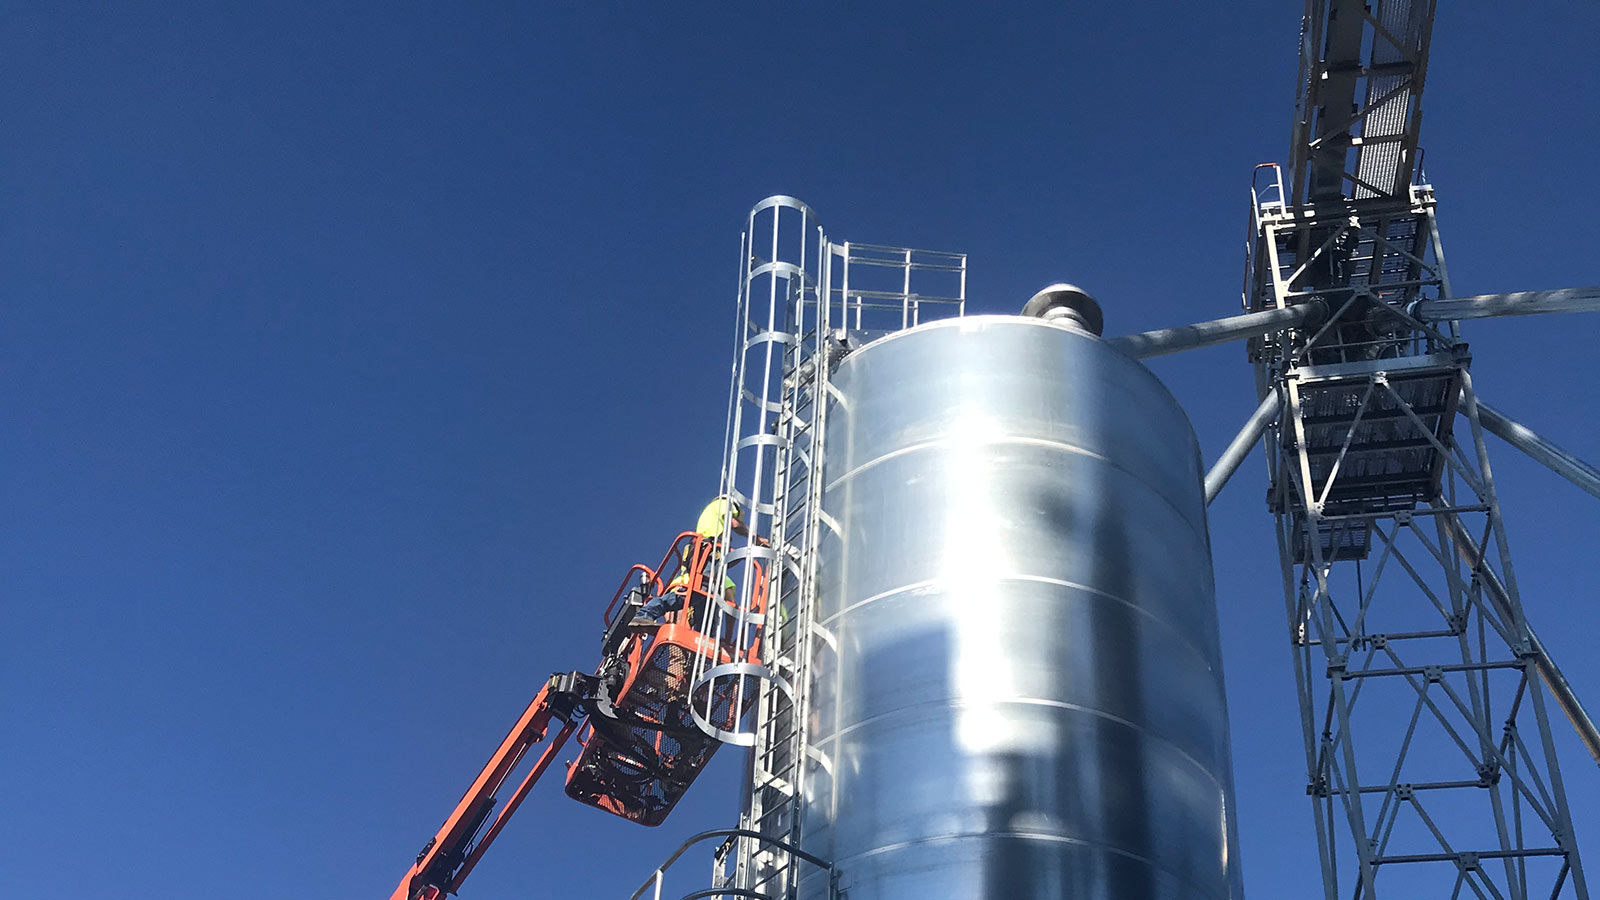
1018,690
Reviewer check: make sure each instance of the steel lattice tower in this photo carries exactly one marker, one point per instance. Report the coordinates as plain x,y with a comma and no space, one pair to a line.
1425,695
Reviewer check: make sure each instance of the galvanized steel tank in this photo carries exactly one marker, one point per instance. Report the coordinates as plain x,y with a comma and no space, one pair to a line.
1018,690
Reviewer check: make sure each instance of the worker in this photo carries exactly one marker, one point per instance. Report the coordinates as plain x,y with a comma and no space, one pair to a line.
719,512
671,599
723,508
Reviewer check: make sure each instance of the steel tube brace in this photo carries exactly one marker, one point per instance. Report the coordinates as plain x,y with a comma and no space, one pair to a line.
1540,448
1220,331
1230,459
1521,303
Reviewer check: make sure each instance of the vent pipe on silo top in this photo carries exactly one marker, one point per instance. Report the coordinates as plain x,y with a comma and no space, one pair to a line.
1069,305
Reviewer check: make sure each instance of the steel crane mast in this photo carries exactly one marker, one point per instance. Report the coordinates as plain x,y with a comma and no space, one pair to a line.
1427,701
1362,69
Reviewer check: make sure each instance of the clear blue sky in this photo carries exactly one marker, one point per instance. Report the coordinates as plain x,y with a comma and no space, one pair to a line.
347,358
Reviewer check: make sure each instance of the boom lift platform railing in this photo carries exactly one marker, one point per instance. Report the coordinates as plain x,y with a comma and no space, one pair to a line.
638,762
640,747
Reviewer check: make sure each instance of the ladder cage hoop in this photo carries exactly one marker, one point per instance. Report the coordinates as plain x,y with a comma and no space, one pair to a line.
802,302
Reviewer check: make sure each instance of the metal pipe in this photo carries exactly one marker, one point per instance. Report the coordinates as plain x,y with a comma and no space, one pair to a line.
1521,303
1549,672
727,833
1540,448
1230,459
1220,331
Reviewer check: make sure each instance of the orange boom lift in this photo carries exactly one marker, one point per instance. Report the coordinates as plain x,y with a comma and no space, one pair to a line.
640,747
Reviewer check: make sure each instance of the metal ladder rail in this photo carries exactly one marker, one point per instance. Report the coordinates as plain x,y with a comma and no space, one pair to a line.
775,711
790,731
772,808
802,502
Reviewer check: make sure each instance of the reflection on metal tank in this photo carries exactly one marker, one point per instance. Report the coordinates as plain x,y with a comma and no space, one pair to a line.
1018,684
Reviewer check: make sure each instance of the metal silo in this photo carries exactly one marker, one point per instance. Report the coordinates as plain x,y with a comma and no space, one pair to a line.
1017,691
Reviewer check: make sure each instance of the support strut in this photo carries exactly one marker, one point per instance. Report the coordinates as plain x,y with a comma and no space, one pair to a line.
1521,303
1540,448
1220,331
1230,459
1549,672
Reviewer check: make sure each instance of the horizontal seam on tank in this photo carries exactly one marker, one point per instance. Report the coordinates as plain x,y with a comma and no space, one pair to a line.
1035,701
1026,835
1030,441
1179,634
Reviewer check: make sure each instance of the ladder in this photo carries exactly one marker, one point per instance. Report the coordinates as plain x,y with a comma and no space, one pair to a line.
804,303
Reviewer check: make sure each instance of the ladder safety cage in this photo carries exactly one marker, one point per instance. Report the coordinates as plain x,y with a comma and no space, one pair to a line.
804,302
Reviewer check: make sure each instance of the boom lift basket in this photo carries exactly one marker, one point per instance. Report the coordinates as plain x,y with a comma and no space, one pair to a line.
639,760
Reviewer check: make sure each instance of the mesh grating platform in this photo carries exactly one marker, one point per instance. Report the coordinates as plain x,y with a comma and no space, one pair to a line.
1385,462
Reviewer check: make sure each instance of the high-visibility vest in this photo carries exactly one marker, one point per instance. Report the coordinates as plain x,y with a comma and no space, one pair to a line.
682,579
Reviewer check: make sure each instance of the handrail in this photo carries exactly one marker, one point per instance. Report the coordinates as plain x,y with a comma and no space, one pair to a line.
653,575
1277,183
1258,203
655,879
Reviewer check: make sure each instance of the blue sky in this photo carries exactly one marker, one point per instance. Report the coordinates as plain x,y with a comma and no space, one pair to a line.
347,358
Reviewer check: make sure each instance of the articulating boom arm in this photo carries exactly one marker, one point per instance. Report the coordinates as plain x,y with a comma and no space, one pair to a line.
450,855
639,749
